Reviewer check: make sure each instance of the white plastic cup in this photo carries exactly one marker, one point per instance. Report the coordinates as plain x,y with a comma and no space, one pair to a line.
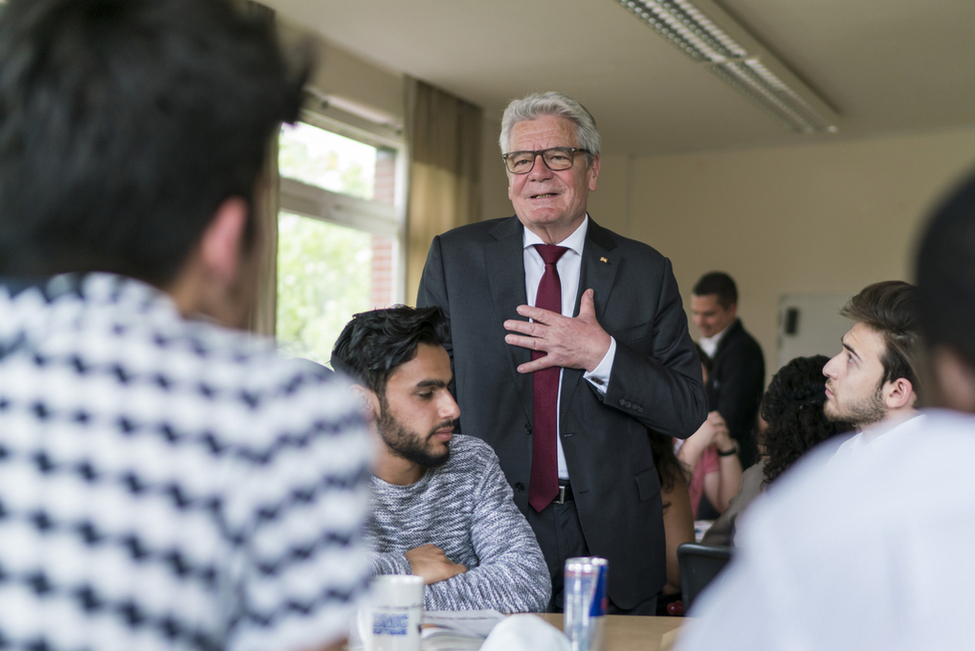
390,621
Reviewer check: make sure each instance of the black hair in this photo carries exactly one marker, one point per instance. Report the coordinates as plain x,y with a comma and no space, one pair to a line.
793,408
124,124
891,309
669,467
373,344
720,283
945,273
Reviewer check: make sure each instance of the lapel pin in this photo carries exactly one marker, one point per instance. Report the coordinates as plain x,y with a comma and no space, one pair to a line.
604,260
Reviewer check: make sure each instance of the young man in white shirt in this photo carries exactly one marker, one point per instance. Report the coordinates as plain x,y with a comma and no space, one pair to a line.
873,382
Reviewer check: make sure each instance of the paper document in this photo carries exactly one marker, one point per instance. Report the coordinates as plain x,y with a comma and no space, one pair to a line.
457,629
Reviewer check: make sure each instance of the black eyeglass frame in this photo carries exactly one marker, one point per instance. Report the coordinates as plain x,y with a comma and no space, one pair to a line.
541,152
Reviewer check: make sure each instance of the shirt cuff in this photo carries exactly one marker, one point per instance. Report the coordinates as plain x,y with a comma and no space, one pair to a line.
599,377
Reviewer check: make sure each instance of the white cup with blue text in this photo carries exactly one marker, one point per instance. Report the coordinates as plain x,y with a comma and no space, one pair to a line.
390,620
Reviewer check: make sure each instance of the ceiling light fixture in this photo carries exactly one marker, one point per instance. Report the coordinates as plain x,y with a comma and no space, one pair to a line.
707,34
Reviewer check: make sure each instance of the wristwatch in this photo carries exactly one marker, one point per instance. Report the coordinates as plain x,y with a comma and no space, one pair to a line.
728,453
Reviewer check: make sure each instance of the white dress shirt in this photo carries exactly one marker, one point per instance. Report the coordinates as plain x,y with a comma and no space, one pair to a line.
868,440
710,344
570,269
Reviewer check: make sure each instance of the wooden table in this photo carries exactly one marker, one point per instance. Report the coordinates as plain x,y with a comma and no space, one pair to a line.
631,633
623,633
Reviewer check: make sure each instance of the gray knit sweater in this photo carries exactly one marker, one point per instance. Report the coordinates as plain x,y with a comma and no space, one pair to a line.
464,507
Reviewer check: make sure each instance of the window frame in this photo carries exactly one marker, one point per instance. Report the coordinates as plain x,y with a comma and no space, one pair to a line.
374,217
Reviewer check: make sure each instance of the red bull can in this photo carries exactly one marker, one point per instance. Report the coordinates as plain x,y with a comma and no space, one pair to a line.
585,602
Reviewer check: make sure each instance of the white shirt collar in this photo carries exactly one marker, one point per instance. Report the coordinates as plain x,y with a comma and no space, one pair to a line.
710,344
576,241
875,430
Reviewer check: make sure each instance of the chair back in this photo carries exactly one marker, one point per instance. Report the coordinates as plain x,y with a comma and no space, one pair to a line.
699,564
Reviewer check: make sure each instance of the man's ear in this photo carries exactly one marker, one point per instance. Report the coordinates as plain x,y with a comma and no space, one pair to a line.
899,394
222,241
368,400
210,281
593,173
952,379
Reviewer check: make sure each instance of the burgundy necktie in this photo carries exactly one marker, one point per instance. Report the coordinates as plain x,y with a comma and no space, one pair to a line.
544,483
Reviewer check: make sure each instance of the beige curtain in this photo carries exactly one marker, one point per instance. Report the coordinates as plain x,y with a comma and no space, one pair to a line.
263,316
444,139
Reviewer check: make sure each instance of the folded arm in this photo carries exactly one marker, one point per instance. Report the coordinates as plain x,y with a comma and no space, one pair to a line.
511,575
390,563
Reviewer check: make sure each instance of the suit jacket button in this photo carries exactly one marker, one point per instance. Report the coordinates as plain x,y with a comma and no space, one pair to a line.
528,428
519,487
622,402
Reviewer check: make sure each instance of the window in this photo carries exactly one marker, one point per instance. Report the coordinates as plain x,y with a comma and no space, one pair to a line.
339,233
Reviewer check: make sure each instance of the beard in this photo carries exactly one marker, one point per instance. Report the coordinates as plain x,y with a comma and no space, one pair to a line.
410,445
860,412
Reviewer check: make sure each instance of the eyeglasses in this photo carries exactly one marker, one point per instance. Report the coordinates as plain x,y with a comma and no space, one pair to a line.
556,159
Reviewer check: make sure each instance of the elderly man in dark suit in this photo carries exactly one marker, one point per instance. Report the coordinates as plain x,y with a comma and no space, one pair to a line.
569,343
737,378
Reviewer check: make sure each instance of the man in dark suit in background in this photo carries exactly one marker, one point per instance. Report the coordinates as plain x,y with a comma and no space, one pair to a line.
566,398
737,378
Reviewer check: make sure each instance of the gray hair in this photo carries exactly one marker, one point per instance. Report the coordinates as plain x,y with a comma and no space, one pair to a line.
537,105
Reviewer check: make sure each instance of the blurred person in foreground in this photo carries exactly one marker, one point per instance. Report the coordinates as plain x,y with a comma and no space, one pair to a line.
874,552
792,409
441,506
166,482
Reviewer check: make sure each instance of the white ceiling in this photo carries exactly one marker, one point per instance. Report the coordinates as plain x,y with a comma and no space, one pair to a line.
887,66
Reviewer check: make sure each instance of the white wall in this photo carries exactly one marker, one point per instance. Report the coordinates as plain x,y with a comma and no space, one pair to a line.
339,72
805,219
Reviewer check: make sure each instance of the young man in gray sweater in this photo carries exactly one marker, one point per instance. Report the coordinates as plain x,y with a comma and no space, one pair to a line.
441,506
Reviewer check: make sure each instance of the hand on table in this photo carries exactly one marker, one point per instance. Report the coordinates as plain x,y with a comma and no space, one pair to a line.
577,342
430,562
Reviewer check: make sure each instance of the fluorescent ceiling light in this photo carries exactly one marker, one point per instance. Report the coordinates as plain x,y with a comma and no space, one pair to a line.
704,32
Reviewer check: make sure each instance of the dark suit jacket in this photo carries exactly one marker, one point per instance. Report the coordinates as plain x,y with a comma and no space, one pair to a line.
735,386
476,274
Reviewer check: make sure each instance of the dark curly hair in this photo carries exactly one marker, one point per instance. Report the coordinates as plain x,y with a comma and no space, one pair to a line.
793,408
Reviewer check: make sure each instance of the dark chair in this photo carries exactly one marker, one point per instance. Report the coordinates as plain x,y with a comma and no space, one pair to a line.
699,564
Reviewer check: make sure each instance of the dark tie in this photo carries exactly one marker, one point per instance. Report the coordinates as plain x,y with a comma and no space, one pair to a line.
544,483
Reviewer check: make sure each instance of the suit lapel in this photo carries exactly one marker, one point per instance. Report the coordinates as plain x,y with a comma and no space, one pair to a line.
600,264
728,336
505,264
